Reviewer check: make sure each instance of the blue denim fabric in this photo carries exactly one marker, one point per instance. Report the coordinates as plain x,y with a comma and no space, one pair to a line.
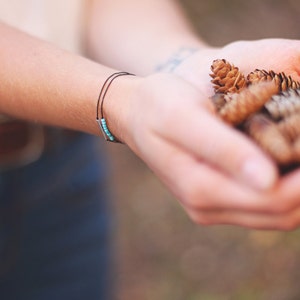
55,226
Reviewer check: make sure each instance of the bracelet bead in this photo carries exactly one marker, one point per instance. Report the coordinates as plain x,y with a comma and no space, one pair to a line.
106,131
101,121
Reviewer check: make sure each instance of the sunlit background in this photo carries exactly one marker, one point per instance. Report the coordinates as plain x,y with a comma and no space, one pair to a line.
161,255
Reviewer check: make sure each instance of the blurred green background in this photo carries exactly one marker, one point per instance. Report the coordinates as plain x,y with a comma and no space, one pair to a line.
161,254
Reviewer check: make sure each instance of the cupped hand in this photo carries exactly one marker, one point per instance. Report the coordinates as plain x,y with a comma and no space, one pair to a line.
217,173
270,54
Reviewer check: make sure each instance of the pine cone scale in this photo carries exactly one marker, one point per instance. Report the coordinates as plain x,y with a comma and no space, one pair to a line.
263,104
226,77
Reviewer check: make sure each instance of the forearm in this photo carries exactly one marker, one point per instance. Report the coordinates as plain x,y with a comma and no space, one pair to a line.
42,83
137,35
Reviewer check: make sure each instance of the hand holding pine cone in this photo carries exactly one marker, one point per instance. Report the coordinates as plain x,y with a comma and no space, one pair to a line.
265,105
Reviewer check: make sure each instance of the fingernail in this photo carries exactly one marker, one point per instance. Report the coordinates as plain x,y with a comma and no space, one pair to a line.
259,174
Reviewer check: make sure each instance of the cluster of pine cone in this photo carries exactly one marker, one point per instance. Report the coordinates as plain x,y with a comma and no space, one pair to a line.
264,104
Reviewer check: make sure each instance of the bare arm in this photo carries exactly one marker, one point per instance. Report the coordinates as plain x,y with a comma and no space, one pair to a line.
162,118
138,35
40,82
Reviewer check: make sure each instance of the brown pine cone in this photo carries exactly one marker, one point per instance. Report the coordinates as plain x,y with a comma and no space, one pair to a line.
283,81
226,77
290,127
270,139
284,104
250,100
218,100
258,76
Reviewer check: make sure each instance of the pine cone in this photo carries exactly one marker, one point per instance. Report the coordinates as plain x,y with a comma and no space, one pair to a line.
259,76
218,100
240,106
284,104
290,127
226,77
270,139
283,81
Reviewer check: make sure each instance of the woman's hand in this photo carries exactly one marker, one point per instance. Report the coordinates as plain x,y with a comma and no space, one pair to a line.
270,54
217,173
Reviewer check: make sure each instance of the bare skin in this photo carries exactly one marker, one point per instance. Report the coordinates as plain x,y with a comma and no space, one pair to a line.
218,175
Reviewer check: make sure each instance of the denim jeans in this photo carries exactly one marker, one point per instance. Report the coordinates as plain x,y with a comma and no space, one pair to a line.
55,226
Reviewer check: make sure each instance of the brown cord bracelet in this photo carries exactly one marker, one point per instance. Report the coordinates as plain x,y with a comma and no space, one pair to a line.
102,122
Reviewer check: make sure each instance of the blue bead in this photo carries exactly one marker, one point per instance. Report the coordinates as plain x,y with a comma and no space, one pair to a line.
106,130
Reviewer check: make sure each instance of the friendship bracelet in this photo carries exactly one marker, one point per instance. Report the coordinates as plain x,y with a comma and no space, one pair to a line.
102,122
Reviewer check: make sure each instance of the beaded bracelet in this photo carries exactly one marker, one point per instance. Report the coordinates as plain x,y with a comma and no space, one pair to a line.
102,122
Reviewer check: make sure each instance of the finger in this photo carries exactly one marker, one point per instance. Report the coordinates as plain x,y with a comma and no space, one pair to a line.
212,198
278,210
207,138
285,196
196,185
283,199
253,220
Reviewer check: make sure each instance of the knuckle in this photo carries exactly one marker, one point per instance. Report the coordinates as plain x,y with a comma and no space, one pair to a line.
194,199
201,220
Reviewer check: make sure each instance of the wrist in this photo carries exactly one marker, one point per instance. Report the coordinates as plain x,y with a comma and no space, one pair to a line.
116,108
181,52
176,59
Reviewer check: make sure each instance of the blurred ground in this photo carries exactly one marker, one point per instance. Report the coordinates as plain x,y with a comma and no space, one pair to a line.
161,255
